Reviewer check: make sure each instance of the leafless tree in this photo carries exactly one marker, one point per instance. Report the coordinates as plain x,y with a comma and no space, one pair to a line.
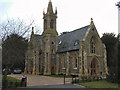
13,26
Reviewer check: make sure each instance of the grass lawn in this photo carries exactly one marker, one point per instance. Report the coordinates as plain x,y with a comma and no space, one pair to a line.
12,82
0,77
99,84
12,79
57,76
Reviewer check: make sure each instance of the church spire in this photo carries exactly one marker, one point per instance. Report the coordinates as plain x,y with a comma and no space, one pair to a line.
50,20
50,8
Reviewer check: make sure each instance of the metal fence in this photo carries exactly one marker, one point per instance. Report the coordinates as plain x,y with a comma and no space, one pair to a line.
76,79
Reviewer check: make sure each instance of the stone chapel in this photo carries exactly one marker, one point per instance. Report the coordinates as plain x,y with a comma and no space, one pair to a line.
79,52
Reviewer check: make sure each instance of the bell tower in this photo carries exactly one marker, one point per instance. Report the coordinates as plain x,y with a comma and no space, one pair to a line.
49,40
50,20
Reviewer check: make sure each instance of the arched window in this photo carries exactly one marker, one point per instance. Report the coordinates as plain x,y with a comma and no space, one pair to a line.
92,45
51,24
63,61
53,51
75,61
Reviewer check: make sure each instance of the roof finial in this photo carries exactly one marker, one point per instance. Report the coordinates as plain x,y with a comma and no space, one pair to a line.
32,30
44,11
55,10
91,19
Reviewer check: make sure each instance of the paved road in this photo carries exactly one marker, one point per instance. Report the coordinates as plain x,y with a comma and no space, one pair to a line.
68,85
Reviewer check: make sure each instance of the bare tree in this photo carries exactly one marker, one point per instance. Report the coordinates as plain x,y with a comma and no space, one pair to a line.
13,26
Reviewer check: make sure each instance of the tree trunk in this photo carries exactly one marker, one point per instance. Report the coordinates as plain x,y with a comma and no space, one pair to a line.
5,82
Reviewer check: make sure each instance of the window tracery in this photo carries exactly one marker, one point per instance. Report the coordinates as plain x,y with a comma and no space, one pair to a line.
63,61
75,61
92,45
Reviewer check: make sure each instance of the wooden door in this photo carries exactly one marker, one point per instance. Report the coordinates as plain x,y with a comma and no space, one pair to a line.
93,67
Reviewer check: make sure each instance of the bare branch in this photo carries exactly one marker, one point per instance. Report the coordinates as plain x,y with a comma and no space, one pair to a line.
13,26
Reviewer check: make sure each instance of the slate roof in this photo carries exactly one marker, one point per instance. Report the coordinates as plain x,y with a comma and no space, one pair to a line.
38,39
70,40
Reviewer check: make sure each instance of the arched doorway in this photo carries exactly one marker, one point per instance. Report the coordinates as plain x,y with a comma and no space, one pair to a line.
94,67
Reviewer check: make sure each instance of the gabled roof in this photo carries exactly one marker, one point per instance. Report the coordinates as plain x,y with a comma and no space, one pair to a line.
70,40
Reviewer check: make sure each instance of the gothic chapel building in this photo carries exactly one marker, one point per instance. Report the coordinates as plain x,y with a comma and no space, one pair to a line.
79,52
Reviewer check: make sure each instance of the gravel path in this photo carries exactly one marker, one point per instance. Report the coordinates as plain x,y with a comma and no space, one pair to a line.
35,80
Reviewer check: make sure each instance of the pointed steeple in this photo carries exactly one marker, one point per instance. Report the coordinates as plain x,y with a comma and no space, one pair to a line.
50,8
91,23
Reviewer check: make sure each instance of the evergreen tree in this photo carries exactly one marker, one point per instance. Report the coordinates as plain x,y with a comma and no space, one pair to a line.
111,43
13,52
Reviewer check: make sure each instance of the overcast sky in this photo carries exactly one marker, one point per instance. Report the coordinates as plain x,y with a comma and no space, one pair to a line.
72,14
